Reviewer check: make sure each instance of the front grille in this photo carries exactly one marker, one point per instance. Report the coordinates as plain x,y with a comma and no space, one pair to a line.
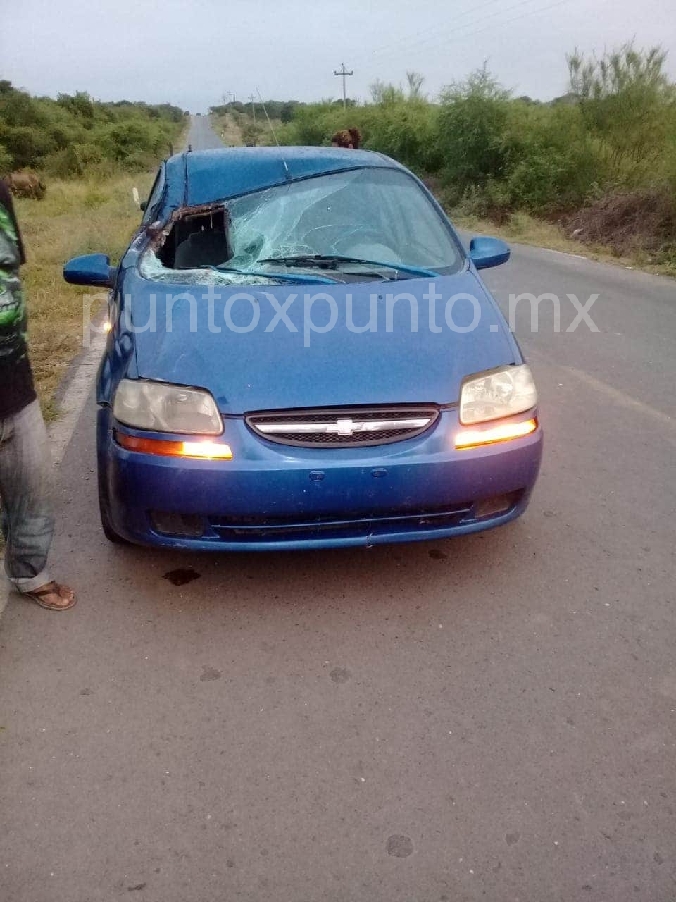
343,427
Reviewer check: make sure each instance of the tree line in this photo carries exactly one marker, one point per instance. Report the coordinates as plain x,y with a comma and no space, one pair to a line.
74,133
490,153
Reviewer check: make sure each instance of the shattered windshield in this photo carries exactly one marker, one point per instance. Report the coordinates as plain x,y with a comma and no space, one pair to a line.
358,225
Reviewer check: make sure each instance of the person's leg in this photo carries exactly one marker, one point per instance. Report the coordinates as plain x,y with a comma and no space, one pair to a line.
25,488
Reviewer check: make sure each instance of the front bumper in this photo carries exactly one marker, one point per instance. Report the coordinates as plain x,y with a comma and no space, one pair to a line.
273,497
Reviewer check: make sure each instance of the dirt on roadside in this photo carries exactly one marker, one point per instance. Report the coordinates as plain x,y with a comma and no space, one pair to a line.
630,224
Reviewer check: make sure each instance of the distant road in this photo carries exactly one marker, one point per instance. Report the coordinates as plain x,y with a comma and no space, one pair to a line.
484,719
202,135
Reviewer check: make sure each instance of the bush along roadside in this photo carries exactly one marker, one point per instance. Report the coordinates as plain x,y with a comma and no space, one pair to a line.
88,156
598,163
75,135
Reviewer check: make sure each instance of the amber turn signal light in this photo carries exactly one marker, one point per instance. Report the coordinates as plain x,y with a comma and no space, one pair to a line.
503,432
199,450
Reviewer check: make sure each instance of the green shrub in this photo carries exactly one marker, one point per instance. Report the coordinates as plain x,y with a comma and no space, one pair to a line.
614,130
27,144
408,131
5,161
89,155
62,164
472,125
488,201
70,135
628,103
128,139
551,162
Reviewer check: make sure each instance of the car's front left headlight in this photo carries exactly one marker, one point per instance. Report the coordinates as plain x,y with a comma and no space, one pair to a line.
163,407
500,393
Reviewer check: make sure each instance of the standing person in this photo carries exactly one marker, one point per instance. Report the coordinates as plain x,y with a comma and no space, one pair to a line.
27,521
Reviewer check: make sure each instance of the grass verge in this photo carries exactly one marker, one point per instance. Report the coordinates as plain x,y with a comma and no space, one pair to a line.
227,129
76,217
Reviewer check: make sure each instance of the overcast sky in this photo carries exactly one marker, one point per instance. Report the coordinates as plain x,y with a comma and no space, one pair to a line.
191,52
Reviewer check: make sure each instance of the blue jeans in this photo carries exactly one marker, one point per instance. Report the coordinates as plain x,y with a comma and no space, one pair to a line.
25,491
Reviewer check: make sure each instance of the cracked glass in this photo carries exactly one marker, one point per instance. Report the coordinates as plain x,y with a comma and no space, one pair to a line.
377,215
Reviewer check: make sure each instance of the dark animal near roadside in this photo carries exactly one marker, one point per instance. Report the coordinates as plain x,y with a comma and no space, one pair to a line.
26,184
349,138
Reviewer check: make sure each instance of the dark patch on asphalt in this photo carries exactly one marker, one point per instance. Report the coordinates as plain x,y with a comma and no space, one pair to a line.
657,858
139,886
399,846
85,691
512,838
181,576
340,675
437,555
209,674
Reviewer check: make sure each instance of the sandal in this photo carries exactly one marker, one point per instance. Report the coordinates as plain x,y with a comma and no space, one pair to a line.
40,596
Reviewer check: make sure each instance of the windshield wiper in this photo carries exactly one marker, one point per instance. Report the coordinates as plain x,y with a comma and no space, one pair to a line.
333,261
282,276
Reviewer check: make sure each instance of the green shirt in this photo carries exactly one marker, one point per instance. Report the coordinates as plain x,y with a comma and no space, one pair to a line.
16,378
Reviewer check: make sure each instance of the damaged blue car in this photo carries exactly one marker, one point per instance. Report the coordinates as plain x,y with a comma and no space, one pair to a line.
301,354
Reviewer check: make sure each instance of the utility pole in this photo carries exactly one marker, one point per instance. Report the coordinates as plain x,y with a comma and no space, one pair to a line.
343,73
253,107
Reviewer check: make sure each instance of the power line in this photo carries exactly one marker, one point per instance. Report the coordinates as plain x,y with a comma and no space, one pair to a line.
449,38
265,110
529,12
413,39
343,72
461,33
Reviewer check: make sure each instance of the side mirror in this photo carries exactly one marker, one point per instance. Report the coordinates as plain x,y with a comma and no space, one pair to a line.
487,252
92,269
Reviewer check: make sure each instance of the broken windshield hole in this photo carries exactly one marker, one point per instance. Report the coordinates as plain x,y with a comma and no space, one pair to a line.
198,238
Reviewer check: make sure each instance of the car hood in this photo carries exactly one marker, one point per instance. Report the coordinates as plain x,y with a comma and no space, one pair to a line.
252,363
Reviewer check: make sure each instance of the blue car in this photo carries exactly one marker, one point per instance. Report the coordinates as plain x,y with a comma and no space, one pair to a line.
302,355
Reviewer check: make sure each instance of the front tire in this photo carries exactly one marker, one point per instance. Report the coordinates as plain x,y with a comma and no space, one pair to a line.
104,512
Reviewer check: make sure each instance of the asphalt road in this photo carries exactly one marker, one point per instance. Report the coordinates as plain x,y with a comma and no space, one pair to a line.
487,718
202,135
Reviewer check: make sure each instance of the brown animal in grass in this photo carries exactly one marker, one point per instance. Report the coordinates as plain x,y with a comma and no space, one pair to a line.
349,138
26,184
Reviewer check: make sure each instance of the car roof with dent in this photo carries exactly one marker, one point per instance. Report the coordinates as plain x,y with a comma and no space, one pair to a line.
201,177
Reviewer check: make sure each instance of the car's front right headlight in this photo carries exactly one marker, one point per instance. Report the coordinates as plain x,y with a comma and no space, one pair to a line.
163,407
497,394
